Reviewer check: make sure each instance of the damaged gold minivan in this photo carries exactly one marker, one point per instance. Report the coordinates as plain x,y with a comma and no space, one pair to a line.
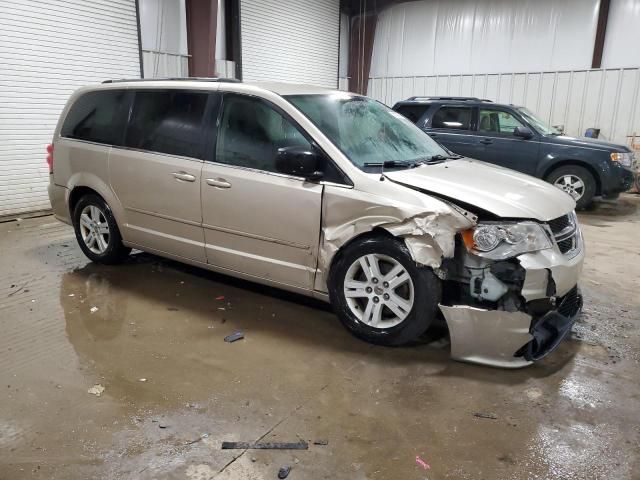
328,194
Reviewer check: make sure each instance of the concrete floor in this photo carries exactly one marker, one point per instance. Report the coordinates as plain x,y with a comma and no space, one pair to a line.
297,375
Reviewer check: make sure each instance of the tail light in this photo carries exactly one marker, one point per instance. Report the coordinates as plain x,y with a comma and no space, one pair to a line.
50,157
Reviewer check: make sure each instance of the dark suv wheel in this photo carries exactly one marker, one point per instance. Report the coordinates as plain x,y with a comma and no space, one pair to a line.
577,182
97,232
380,294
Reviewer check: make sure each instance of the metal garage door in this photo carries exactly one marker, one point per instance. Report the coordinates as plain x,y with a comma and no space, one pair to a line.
48,49
290,40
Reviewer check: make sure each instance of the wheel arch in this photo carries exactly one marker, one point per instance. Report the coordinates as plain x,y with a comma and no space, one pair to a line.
84,183
576,163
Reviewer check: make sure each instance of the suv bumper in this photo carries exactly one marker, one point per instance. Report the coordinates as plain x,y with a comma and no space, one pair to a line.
512,339
617,179
59,197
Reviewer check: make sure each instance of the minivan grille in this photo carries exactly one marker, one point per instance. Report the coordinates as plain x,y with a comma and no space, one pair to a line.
565,232
570,303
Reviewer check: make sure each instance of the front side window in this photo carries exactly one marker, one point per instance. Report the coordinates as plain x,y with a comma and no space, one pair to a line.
457,118
366,131
168,121
497,121
98,117
540,124
251,132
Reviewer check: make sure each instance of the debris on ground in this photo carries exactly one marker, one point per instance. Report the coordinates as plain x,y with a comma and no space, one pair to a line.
284,472
96,390
172,309
142,379
93,309
422,463
234,337
490,416
321,442
220,297
265,446
163,425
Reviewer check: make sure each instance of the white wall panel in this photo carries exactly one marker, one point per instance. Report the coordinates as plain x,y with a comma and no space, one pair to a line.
442,37
47,50
604,99
623,35
290,40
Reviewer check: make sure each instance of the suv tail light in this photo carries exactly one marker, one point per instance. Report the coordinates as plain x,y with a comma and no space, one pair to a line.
50,157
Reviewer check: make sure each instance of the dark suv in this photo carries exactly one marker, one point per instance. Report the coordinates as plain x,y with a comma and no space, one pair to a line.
514,137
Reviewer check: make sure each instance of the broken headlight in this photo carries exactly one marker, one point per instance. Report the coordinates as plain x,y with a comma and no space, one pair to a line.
498,241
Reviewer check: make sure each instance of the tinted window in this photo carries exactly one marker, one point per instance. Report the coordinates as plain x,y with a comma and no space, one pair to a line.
458,118
98,117
251,132
497,121
412,112
168,121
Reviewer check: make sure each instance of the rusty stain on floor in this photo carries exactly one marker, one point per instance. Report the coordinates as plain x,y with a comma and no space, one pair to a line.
296,376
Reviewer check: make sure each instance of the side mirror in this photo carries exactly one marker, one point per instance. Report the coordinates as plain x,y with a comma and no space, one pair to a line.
523,132
560,128
298,161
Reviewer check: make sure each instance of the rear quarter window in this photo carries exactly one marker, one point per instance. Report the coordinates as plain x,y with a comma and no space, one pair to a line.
98,117
412,112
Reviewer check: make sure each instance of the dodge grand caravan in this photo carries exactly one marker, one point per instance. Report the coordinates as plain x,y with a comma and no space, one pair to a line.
328,194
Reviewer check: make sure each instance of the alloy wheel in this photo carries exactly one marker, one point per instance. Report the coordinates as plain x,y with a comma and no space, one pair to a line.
571,184
94,229
379,291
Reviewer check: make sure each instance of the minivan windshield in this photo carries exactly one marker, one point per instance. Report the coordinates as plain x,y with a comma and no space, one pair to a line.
539,124
367,132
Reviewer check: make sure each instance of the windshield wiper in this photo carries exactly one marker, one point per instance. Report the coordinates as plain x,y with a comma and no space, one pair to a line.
440,157
390,164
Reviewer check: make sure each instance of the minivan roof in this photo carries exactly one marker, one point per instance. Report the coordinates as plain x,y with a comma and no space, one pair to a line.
280,88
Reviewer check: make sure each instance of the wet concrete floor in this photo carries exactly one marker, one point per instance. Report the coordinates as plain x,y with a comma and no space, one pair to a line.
151,333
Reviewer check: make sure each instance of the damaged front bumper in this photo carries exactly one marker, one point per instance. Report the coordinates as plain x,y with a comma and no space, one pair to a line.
515,335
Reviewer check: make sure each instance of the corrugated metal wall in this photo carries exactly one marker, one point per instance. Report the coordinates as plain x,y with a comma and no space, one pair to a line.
47,50
581,99
291,41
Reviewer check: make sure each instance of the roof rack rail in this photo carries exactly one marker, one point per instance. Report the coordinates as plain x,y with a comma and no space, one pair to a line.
460,99
184,79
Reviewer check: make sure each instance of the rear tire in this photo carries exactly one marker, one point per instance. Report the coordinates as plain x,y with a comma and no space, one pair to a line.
577,182
97,232
395,303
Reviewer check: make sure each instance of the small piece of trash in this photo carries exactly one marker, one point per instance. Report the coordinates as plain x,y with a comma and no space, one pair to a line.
221,308
142,379
221,297
422,463
96,390
321,442
284,472
93,309
235,336
71,295
265,446
490,416
162,425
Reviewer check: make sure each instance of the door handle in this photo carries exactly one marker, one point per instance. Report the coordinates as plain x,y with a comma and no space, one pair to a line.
218,182
184,176
486,141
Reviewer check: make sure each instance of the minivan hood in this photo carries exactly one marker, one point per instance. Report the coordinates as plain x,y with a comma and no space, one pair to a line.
503,192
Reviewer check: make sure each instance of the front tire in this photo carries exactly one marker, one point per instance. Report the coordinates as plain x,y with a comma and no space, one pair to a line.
577,182
380,294
97,232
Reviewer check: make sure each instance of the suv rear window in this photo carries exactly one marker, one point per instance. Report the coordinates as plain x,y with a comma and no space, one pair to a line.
412,112
458,118
97,117
168,121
